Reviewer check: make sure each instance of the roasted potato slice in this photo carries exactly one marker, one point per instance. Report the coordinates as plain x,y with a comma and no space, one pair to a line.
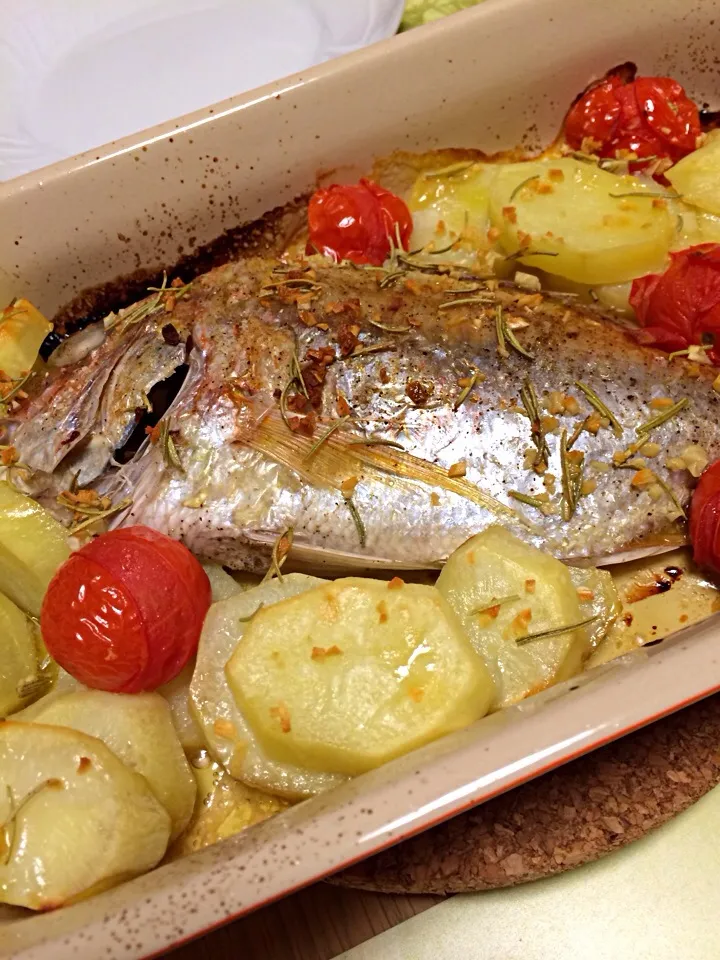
229,736
697,176
177,694
32,547
580,222
22,331
353,673
138,729
19,667
74,819
504,589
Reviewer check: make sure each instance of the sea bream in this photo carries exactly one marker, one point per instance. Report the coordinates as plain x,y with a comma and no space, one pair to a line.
383,415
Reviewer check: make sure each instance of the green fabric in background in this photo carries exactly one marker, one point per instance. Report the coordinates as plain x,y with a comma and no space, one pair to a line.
418,12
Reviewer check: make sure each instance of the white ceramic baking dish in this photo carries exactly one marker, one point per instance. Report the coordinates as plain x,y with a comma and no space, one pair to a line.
491,77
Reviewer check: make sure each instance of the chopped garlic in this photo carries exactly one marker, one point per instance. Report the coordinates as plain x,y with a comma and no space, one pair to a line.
527,281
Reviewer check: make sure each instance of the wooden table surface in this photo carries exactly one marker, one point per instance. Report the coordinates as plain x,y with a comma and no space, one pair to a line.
315,924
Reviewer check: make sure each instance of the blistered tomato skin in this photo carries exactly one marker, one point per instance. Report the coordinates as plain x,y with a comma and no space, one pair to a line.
651,117
681,306
125,612
705,519
356,221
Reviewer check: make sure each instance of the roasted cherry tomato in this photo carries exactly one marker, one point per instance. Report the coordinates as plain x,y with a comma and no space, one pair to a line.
648,116
705,518
681,306
355,221
125,612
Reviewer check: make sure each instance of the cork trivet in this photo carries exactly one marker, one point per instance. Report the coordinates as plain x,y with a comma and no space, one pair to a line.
570,816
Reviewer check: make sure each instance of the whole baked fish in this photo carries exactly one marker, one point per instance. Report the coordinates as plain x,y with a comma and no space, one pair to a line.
384,415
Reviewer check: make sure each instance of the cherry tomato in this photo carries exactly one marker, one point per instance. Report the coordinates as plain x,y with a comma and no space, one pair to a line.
594,114
648,116
705,518
681,306
355,221
125,612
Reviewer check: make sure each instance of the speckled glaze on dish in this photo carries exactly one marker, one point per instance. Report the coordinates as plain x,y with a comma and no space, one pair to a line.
490,77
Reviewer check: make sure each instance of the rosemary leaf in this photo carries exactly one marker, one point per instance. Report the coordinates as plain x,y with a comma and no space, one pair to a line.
321,440
532,409
447,304
496,603
18,385
527,499
9,827
663,417
357,520
465,392
500,333
116,508
556,631
376,442
568,487
531,253
281,549
295,366
450,170
519,187
283,401
652,196
169,450
686,352
391,278
509,335
671,494
251,616
604,411
384,326
29,688
373,348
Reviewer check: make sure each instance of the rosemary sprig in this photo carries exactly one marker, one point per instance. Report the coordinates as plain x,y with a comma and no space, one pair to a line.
447,304
524,183
594,400
496,603
532,409
295,366
252,616
450,170
321,440
281,549
170,455
527,499
663,417
556,631
85,509
357,520
465,392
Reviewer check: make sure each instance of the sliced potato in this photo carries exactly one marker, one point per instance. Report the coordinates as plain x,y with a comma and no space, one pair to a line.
564,210
138,729
19,667
353,673
453,208
22,331
697,176
503,589
32,547
229,736
177,694
75,820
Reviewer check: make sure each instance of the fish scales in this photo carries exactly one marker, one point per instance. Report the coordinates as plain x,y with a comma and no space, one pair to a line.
399,357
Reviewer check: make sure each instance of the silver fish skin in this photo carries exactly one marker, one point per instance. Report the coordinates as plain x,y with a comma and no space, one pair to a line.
247,459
